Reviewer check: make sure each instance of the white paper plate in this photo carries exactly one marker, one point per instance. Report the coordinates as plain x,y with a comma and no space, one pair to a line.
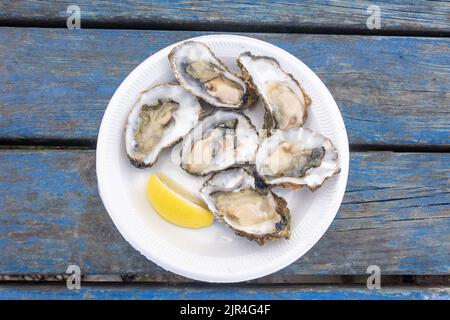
214,254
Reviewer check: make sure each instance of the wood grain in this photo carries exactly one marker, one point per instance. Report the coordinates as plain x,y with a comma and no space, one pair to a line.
276,15
55,84
395,214
209,292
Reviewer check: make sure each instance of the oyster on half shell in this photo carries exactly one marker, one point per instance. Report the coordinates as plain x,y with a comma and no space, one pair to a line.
219,141
284,98
236,200
204,75
161,117
295,158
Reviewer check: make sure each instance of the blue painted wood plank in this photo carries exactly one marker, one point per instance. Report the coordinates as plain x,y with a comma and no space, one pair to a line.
56,83
395,214
280,15
211,292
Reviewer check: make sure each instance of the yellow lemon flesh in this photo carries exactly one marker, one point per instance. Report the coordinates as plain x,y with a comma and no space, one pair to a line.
176,204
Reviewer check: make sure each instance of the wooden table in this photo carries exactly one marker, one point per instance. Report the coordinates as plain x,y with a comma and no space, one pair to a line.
391,84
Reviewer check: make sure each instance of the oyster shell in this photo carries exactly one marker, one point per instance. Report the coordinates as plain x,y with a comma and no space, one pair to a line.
204,75
219,141
295,158
284,98
160,118
257,214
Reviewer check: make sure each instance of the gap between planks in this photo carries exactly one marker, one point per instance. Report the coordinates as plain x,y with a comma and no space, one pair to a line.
225,27
306,279
74,144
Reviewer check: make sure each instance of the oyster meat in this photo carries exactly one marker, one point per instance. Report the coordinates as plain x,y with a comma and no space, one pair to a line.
219,141
236,200
284,98
204,75
161,117
295,158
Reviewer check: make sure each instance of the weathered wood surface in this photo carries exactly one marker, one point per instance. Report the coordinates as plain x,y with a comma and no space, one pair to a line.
156,292
276,15
56,83
396,214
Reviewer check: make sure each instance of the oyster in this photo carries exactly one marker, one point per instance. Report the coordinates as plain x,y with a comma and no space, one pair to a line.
159,119
236,200
284,98
295,158
204,75
219,141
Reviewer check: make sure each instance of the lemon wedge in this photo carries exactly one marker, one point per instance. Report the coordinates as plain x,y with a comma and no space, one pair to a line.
176,204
